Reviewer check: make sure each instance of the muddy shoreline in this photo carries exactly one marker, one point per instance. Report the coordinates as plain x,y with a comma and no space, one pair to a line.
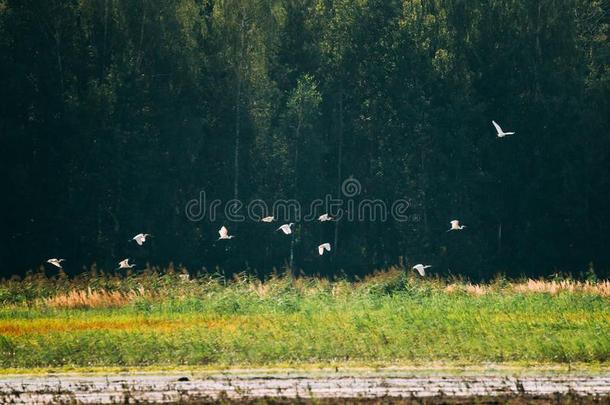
303,387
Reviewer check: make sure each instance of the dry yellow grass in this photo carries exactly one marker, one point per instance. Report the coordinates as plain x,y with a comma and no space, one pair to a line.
476,289
95,298
601,288
261,289
472,289
275,286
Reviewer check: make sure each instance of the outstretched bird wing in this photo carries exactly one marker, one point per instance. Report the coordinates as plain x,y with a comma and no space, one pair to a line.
420,269
498,129
286,229
322,247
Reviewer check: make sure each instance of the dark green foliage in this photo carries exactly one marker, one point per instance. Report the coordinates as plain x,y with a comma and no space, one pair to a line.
113,115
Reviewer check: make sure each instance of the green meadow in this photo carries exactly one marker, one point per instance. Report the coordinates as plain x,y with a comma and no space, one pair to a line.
160,320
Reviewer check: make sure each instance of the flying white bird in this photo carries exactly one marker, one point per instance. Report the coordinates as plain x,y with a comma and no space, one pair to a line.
286,228
268,219
224,233
141,238
55,262
323,247
501,133
324,217
421,269
124,264
455,226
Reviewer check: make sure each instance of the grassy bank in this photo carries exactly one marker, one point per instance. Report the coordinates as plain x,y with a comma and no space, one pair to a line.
161,320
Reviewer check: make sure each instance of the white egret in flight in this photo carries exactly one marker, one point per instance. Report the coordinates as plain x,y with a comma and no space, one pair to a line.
323,247
224,233
421,269
124,264
141,238
455,226
286,228
268,219
324,218
501,133
55,262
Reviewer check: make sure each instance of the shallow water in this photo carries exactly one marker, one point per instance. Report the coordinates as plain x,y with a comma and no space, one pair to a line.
168,388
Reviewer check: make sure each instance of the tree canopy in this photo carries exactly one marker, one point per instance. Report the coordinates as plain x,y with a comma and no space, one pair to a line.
115,114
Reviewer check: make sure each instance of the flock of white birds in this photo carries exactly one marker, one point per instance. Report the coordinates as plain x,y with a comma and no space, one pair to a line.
223,232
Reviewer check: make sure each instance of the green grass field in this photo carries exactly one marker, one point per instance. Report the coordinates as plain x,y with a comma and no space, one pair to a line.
159,320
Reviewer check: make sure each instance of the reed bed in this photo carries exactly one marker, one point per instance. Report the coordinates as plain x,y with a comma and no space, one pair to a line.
95,299
601,288
98,290
164,319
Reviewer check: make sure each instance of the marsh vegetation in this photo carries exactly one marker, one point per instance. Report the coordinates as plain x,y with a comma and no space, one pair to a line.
160,319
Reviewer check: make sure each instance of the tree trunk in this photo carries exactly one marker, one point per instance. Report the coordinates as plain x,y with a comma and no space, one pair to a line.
499,238
141,46
424,199
238,111
60,69
538,61
297,137
339,163
105,35
237,135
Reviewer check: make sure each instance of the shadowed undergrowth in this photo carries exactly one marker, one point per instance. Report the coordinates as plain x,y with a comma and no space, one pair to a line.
163,319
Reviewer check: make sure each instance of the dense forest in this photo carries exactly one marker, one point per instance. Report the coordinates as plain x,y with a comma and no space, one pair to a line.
115,114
